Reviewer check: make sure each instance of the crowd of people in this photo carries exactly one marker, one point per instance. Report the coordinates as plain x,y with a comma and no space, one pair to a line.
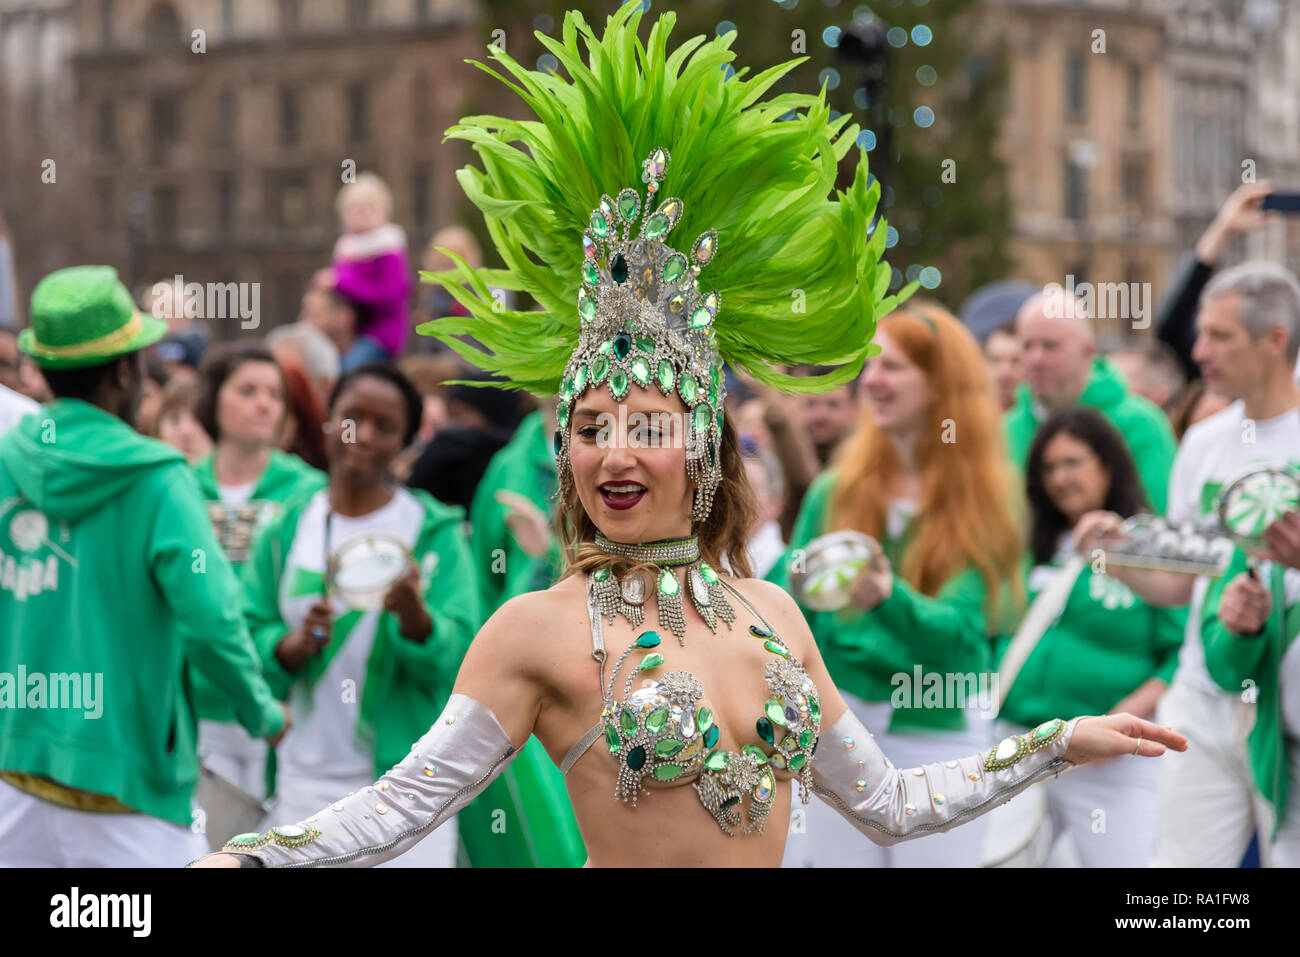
989,472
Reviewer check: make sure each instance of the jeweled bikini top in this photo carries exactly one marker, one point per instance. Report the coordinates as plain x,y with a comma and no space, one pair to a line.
664,731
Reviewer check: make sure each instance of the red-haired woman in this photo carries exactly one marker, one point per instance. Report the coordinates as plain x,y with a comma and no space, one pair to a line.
926,476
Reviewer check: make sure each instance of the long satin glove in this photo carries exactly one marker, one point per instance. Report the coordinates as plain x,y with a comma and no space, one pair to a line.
890,804
459,756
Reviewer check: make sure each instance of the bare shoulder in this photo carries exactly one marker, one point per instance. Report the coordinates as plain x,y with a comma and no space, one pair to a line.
778,606
526,626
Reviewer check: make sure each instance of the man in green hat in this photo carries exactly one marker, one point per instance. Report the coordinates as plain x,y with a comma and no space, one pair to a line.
111,581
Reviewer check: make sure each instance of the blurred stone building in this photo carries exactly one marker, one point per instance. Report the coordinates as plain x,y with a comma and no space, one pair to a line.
208,138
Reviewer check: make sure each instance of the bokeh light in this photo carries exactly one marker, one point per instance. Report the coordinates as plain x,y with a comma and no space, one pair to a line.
726,26
867,140
923,116
930,277
831,36
927,75
897,37
547,63
922,35
830,77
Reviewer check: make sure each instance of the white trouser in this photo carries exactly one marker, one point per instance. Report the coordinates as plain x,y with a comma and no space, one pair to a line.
1285,848
299,796
1109,812
1208,806
226,748
820,837
38,833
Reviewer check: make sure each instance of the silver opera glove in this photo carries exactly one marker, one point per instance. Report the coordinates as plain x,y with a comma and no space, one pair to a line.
890,804
450,765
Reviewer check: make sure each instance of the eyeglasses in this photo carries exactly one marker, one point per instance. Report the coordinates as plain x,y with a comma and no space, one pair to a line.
1065,465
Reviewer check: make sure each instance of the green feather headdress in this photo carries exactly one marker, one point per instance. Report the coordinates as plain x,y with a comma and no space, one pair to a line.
796,262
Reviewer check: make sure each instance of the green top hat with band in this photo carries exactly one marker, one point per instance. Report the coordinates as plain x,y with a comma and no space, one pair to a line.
84,316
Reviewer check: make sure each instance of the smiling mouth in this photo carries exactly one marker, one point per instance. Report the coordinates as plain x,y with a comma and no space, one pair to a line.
621,495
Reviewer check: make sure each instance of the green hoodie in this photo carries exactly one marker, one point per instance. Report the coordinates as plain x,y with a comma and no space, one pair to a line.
1103,645
1238,662
866,652
111,568
1145,429
285,474
539,828
407,683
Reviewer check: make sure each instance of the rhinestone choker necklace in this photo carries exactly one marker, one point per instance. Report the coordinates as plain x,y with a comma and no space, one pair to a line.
628,596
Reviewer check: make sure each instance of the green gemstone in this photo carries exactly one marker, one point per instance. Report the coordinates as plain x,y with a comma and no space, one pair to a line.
618,268
765,731
587,308
640,370
711,736
599,225
774,711
601,574
666,772
719,418
628,205
666,375
589,274
776,649
566,389
606,347
687,387
252,837
618,383
674,267
622,345
701,418
580,380
805,739
558,440
657,225
713,395
1046,729
798,760
648,639
700,317
627,721
704,720
717,760
668,747
708,573
611,739
562,412
759,631
668,583
757,753
815,707
653,660
599,368
645,344
788,743
654,721
636,758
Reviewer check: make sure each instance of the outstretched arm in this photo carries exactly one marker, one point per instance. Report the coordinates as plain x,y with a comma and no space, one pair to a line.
490,715
890,804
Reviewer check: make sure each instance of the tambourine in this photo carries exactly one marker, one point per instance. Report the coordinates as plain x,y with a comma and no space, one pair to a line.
366,566
1148,541
1253,500
830,565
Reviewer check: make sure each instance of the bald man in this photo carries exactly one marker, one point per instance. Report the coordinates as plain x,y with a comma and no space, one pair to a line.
1062,369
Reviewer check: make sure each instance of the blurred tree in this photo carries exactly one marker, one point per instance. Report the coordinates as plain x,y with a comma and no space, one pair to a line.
928,102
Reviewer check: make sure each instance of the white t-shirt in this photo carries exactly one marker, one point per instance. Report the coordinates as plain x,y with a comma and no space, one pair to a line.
1212,452
765,549
13,406
236,494
323,740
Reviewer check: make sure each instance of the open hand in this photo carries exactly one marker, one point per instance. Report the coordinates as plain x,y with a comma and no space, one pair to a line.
1113,735
527,523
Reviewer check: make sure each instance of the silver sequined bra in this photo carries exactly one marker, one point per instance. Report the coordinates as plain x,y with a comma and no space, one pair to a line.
662,730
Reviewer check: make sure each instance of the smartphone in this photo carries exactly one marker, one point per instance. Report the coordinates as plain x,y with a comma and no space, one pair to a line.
1282,202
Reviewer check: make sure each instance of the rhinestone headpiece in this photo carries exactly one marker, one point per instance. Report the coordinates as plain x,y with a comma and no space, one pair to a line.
644,321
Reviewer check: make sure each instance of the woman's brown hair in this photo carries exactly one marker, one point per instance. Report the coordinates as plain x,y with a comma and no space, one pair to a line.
724,535
970,500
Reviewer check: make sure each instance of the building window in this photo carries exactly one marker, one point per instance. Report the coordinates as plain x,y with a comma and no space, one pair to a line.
421,195
164,121
358,12
290,16
357,115
1133,97
226,118
290,121
163,28
1076,191
1075,81
226,203
108,126
287,195
1134,177
106,23
164,213
422,114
